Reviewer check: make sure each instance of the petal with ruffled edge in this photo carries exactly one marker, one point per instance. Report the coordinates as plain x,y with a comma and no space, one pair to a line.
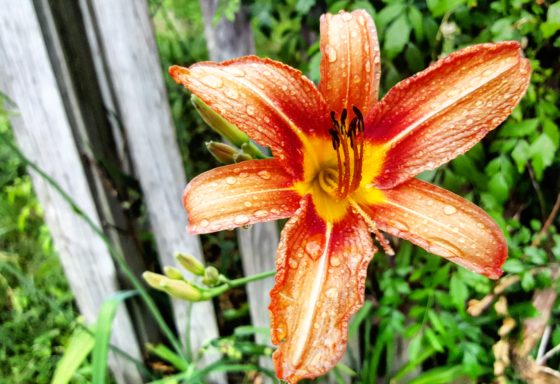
440,113
350,62
240,194
442,223
271,102
321,270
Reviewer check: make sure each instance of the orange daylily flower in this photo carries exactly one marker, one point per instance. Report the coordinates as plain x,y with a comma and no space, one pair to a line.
344,165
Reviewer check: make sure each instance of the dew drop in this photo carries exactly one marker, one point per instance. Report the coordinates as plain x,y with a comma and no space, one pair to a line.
293,263
449,210
314,246
261,213
212,81
331,53
231,180
250,110
204,223
332,293
335,261
241,219
264,174
231,93
235,71
248,204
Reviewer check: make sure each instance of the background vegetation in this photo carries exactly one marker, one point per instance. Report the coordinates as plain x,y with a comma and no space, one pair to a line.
416,325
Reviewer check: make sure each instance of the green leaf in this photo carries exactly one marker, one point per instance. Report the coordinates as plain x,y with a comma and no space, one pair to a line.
499,187
78,348
542,154
388,14
303,6
552,23
522,128
521,155
103,334
458,291
441,375
396,36
168,355
527,281
415,17
513,266
414,58
433,340
441,7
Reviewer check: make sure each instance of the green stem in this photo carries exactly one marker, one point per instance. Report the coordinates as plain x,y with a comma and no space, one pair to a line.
213,292
117,256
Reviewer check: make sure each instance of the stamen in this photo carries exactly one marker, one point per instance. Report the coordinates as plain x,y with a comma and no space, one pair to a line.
347,141
373,228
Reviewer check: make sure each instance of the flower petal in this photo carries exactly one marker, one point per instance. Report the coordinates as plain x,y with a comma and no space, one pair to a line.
273,103
442,112
350,65
321,270
444,224
239,194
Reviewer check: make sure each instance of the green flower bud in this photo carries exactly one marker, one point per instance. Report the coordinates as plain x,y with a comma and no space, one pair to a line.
224,128
211,277
181,289
172,273
190,263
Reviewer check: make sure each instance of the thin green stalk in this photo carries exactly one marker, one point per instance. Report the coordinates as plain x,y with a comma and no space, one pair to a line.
117,256
213,292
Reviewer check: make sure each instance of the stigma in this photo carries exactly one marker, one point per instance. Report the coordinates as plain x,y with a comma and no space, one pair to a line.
348,142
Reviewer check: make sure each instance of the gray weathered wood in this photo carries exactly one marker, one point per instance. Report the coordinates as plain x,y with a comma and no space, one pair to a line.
124,35
44,132
257,245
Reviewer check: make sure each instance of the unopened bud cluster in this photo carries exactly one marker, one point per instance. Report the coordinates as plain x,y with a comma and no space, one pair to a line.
243,148
173,283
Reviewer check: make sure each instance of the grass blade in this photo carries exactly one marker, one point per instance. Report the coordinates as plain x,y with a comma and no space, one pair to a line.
78,348
103,334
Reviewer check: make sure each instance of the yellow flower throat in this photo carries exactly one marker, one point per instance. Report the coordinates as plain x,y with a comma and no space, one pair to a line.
342,177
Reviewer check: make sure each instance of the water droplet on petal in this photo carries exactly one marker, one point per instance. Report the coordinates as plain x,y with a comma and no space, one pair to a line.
293,263
264,174
231,180
314,246
261,213
449,210
248,204
231,93
331,53
204,223
241,219
250,110
212,81
332,293
347,16
335,261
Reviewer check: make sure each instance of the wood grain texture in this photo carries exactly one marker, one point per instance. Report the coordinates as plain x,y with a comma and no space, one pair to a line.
43,131
125,38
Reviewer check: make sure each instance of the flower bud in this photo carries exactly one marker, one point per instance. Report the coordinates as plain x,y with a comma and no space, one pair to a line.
222,152
172,273
211,277
224,128
190,263
176,288
181,289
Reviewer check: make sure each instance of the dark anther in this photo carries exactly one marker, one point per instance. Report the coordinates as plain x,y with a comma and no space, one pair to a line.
358,113
343,116
335,138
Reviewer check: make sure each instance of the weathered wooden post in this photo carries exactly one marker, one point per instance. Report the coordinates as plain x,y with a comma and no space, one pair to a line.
87,81
44,131
258,244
